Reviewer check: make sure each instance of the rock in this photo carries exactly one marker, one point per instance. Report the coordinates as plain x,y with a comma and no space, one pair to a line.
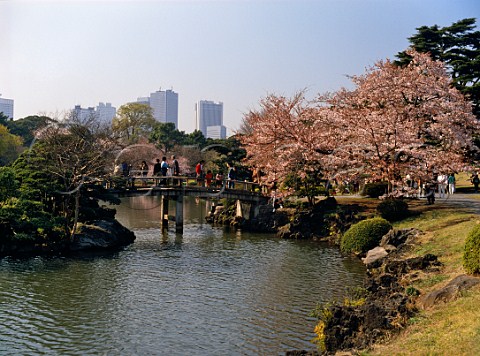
374,257
400,267
101,235
398,237
449,292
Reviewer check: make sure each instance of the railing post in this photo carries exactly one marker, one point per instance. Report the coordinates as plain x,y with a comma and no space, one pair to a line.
165,202
179,214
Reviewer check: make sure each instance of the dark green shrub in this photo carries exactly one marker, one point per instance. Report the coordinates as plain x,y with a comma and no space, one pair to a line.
393,209
364,235
471,255
374,190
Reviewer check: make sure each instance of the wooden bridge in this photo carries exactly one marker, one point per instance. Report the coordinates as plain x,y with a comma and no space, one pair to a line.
247,194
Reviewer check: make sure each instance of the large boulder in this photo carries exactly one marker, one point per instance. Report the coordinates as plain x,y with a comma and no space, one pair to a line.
450,291
101,235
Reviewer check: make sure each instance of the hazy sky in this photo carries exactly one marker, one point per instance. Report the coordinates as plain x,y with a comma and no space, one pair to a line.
56,54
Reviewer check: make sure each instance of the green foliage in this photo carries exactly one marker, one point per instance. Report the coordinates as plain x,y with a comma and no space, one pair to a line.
310,186
374,190
364,235
10,146
26,127
412,291
8,184
166,136
393,209
471,255
458,46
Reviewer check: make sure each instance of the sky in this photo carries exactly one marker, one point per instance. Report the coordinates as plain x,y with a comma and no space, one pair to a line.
58,54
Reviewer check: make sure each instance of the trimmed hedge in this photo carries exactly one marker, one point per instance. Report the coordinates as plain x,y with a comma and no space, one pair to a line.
364,235
393,209
374,190
471,255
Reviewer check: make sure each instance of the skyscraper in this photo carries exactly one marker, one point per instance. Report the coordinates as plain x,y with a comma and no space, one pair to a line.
209,116
164,105
6,107
104,112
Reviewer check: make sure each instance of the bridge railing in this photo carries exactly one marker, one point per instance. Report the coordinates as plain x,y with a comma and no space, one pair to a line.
139,179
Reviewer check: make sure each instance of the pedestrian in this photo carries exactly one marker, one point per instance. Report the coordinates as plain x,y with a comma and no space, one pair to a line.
475,181
430,193
442,184
164,169
232,176
125,169
157,168
144,171
208,178
199,172
175,169
219,179
451,183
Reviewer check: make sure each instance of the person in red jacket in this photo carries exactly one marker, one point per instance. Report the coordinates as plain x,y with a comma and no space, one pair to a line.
199,172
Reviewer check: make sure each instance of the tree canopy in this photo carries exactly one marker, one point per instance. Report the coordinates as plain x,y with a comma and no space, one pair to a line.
132,122
397,120
458,46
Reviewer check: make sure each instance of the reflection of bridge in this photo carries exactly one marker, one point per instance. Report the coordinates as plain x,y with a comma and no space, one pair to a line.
247,194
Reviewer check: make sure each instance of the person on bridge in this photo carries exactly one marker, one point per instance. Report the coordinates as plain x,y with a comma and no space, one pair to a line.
219,179
175,170
144,171
199,172
164,169
232,176
208,178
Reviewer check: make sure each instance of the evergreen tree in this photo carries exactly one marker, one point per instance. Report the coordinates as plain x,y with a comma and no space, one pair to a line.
458,46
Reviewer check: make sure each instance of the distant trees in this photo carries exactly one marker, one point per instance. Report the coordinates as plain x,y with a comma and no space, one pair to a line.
132,122
458,46
10,146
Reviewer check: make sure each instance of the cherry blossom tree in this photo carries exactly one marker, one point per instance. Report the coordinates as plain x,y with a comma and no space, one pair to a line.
402,120
289,138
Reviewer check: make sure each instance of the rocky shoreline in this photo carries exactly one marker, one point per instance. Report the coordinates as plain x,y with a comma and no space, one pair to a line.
93,236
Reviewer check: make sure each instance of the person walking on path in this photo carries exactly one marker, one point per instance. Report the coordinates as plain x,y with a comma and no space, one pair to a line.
475,181
442,184
451,183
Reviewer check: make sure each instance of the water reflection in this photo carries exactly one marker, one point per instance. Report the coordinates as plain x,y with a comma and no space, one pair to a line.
209,291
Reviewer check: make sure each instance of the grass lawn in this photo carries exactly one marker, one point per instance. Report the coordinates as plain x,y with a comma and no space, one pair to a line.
448,328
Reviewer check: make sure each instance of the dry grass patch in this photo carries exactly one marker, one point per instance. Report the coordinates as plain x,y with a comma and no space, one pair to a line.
449,329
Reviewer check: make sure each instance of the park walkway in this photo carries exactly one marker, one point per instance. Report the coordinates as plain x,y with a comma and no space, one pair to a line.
468,202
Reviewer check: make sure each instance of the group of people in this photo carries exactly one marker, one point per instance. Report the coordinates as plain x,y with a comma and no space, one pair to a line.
160,169
164,168
208,178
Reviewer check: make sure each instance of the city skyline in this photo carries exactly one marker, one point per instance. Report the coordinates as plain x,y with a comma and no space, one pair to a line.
65,53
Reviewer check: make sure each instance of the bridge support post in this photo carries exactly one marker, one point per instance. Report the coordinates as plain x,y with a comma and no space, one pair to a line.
179,214
165,202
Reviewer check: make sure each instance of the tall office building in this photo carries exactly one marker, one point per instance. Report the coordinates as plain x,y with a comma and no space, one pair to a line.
6,107
164,105
209,116
84,114
104,112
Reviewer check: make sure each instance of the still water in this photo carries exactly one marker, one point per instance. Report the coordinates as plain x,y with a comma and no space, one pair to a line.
211,291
